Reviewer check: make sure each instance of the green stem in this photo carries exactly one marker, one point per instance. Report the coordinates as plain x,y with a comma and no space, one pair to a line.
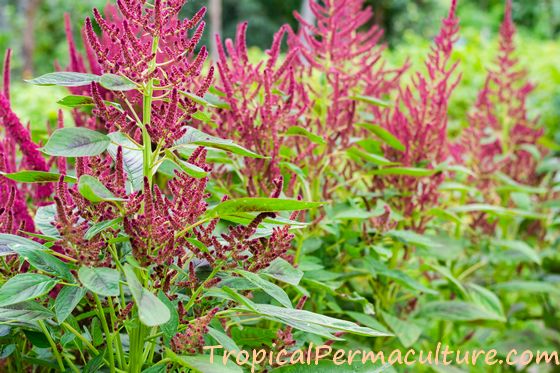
117,340
147,117
56,353
108,334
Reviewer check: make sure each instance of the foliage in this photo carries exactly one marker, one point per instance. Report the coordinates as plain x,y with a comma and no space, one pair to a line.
332,194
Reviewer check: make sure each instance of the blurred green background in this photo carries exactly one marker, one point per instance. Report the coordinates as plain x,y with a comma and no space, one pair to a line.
34,29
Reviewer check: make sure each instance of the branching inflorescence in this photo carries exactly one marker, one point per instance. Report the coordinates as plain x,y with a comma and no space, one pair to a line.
419,121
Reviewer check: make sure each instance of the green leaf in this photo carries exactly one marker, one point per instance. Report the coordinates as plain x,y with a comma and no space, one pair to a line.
24,312
65,79
370,157
95,364
370,100
197,99
202,364
76,101
44,219
413,238
223,339
189,168
386,136
328,366
234,206
44,261
283,271
407,332
300,131
93,190
169,329
114,82
271,289
406,171
306,320
457,311
37,177
497,210
102,281
76,142
8,241
400,277
97,228
449,276
23,287
518,247
196,137
151,310
531,287
133,159
487,300
66,301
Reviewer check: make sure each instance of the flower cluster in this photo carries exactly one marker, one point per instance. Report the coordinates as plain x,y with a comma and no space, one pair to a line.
348,61
264,100
419,121
501,134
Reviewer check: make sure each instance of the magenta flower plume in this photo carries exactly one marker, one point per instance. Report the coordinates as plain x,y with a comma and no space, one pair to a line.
419,121
265,100
348,58
500,129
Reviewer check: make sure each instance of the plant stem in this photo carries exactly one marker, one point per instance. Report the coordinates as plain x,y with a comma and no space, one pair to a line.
147,117
108,334
56,353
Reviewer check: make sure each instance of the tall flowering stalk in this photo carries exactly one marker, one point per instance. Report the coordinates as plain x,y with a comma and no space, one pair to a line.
346,59
265,100
419,121
500,132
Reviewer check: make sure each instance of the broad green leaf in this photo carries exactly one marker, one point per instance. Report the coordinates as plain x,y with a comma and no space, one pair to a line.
296,318
102,281
8,241
45,262
387,137
413,238
76,142
133,159
223,339
370,157
369,321
93,190
197,99
406,171
400,277
300,131
24,312
531,287
67,299
457,311
271,289
196,137
202,364
73,101
370,100
44,219
260,205
518,247
189,168
169,329
497,210
37,177
97,228
25,286
151,310
487,300
407,332
216,101
114,82
283,271
65,79
449,276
